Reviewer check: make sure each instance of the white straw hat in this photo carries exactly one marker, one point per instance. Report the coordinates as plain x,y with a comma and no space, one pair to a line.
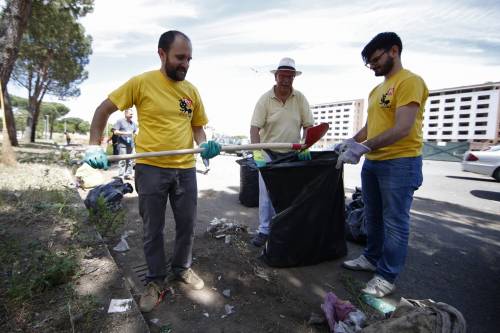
287,64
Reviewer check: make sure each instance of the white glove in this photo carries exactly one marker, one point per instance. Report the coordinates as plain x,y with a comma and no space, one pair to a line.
352,153
340,147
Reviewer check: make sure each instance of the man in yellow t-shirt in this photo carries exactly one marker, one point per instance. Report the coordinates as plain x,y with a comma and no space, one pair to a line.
171,115
392,170
279,116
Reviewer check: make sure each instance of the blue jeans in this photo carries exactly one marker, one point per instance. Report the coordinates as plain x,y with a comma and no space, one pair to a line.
266,209
388,188
126,168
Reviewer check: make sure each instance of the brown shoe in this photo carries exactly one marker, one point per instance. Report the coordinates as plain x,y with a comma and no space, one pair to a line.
152,296
187,276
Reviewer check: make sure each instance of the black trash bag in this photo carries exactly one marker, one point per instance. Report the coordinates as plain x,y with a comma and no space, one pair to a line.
356,202
308,197
355,230
249,182
112,193
357,195
356,226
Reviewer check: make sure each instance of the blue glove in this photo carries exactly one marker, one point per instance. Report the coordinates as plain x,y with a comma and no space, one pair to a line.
352,153
212,149
304,155
96,157
258,157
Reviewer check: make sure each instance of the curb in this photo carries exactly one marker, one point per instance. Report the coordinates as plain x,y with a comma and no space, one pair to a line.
108,276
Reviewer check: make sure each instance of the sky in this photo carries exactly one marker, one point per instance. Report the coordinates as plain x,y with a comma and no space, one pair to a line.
449,43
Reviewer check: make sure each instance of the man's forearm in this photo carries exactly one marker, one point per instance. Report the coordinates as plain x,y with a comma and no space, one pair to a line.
361,135
384,139
199,135
254,134
405,118
304,132
97,127
100,120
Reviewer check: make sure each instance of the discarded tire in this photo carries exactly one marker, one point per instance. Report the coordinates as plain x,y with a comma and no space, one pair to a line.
249,183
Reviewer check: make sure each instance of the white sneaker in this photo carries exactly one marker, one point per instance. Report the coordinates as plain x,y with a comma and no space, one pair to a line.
359,264
378,287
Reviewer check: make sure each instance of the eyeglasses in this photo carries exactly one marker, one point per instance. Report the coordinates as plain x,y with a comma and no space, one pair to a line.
373,61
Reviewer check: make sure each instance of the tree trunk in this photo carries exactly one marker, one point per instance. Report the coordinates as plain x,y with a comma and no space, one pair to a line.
10,121
14,23
34,123
34,110
8,155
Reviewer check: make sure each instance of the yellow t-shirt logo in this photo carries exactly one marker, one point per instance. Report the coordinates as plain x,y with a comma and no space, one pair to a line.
385,100
185,105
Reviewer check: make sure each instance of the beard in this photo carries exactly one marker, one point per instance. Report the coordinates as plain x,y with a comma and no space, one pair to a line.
385,68
175,73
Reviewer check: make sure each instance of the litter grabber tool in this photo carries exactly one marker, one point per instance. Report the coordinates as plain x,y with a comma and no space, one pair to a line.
313,134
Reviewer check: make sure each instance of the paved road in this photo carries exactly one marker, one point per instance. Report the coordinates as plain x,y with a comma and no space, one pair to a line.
454,245
445,182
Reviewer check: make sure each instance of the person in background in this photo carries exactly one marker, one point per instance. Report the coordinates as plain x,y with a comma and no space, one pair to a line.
171,116
125,128
68,138
392,170
113,138
278,117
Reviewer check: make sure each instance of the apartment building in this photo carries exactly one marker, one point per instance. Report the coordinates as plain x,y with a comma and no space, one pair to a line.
345,119
469,114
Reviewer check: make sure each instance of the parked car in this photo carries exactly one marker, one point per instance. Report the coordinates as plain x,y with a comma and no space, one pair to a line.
486,162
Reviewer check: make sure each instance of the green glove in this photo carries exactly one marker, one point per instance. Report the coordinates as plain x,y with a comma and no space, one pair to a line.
212,149
258,157
96,157
304,155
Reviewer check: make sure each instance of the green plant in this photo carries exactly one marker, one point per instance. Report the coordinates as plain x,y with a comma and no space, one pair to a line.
82,310
65,157
37,270
105,218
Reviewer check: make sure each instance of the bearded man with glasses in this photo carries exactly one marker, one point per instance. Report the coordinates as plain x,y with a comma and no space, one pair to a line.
392,170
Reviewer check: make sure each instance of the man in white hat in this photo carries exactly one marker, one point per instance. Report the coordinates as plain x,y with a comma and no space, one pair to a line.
278,117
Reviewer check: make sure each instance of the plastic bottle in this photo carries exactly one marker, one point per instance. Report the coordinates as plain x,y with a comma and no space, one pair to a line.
378,304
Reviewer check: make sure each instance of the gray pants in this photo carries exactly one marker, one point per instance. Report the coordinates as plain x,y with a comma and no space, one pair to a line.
155,186
125,166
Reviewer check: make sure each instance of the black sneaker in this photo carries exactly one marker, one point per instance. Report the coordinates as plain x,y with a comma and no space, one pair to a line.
187,276
259,240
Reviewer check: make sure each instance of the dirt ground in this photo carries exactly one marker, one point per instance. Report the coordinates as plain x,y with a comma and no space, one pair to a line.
241,294
56,275
38,204
263,299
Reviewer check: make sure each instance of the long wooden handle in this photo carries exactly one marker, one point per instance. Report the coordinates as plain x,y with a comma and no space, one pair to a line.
253,146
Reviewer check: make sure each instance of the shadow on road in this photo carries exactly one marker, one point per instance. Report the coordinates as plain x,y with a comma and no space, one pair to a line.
488,195
473,178
453,258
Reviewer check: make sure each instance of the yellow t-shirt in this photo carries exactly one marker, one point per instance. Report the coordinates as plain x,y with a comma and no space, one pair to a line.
399,90
166,112
280,122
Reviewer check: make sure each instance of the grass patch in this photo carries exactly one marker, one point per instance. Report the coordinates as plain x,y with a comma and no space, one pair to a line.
35,204
107,219
354,287
39,256
33,269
